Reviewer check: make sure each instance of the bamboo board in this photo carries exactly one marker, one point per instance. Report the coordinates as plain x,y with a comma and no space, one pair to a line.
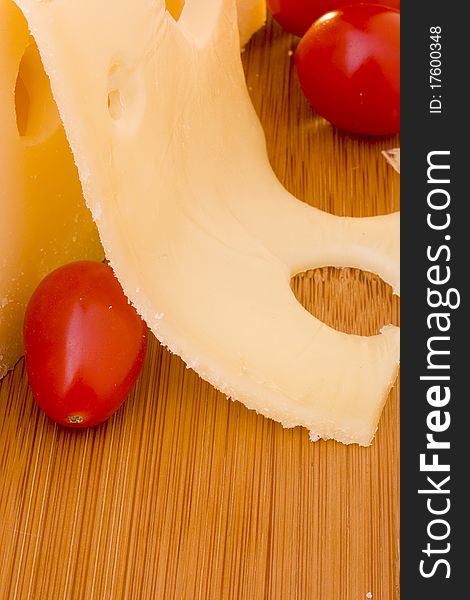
184,494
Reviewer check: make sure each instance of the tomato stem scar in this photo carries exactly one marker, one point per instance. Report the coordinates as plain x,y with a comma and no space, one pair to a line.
75,419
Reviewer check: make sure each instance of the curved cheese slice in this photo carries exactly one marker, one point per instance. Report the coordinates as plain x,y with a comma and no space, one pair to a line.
201,234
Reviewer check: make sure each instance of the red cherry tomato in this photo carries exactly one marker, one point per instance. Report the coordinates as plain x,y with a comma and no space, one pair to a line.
348,65
84,344
296,16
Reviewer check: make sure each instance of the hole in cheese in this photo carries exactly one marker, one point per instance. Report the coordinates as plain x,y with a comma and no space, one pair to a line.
37,117
126,98
349,300
115,104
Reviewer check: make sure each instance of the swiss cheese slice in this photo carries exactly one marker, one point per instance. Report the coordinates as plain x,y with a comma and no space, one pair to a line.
201,234
44,222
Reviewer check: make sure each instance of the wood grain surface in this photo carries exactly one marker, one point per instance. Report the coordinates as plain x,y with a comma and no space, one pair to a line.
184,494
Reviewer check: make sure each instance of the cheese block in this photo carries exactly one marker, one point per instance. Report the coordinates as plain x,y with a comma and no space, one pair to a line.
44,221
201,234
251,16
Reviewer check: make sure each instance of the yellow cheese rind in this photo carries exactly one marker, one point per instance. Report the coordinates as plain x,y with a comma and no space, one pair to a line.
200,232
44,221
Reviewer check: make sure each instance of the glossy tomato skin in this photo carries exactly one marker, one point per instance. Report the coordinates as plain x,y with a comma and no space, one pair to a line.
348,65
296,16
84,344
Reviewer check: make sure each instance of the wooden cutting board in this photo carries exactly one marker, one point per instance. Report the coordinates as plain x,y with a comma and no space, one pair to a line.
184,494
